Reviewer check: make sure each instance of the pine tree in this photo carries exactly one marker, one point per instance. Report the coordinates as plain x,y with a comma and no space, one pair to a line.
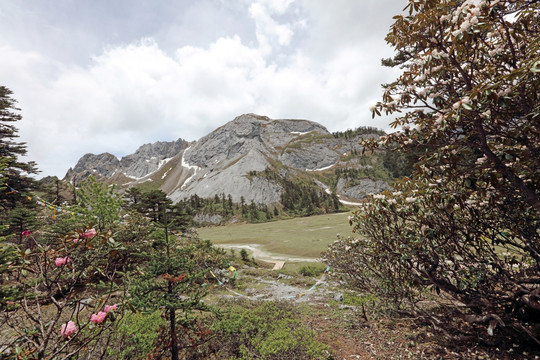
17,186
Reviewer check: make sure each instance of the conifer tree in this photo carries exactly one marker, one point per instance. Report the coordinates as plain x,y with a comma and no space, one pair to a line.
13,179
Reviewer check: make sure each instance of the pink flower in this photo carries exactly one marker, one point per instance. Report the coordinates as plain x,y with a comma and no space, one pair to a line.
88,234
68,329
98,318
26,233
62,261
109,308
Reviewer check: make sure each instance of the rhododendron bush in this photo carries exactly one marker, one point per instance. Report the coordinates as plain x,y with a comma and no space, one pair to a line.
62,299
468,225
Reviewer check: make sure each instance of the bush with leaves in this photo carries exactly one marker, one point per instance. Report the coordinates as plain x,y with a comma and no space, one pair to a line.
268,330
64,299
137,335
428,236
99,202
468,226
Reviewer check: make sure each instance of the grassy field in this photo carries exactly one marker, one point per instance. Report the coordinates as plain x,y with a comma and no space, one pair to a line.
298,237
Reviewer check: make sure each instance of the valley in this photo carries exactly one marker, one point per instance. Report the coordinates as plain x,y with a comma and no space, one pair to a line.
304,237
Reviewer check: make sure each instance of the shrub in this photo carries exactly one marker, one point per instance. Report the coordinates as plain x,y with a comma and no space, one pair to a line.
312,270
268,330
137,335
244,254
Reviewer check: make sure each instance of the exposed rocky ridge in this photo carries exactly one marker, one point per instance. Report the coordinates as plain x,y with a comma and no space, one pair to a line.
245,133
147,159
229,160
101,166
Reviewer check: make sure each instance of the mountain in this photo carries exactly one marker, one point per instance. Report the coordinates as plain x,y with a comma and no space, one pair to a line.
148,159
252,158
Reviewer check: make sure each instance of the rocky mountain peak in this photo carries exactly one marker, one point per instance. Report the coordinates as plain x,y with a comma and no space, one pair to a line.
101,165
147,159
150,157
246,133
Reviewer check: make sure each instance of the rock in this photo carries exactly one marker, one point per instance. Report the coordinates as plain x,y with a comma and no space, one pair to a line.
232,180
149,157
102,165
208,219
338,297
359,188
146,160
283,276
87,301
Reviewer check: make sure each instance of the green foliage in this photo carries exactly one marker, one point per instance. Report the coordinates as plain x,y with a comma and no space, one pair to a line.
137,335
305,197
173,282
63,224
373,170
218,205
135,235
400,164
99,201
176,269
21,218
309,138
154,203
12,168
8,293
312,270
266,330
244,255
359,300
16,209
362,130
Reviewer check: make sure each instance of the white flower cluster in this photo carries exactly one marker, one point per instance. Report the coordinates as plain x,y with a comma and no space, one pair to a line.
465,100
468,12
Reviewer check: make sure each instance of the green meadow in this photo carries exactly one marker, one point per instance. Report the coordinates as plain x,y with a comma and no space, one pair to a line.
297,237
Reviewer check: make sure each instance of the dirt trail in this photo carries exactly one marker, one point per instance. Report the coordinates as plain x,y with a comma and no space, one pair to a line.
262,255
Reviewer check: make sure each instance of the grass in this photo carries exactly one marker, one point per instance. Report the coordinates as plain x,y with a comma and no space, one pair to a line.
298,237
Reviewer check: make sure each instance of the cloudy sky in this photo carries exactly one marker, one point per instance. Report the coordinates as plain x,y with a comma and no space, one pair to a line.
108,76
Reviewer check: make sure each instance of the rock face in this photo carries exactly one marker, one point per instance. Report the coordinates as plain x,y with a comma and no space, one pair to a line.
221,160
230,160
249,133
359,188
102,166
146,160
150,157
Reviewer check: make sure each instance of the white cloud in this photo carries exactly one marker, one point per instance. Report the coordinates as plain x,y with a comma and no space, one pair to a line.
139,92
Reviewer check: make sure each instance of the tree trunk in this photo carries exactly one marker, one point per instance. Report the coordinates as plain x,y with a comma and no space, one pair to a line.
174,339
